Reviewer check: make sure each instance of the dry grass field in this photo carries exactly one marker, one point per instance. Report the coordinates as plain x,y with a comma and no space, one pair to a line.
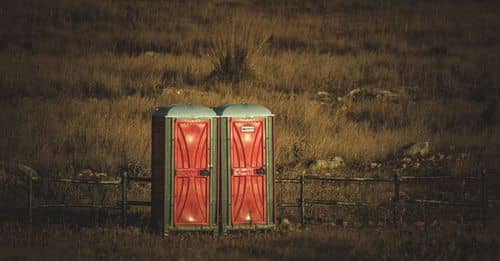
79,81
315,243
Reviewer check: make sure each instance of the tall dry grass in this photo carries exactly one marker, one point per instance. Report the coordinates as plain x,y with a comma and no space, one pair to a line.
445,242
79,80
106,134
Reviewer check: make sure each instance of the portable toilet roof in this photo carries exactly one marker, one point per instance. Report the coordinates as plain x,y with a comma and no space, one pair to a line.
243,111
185,111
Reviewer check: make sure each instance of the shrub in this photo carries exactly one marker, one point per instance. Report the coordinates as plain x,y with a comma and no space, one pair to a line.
234,47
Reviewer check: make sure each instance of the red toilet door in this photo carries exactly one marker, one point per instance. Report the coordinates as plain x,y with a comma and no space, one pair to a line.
192,176
248,172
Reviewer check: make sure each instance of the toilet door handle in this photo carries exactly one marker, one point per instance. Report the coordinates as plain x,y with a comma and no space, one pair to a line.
261,171
204,172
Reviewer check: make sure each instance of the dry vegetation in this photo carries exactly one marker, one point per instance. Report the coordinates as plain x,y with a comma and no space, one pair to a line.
317,243
79,81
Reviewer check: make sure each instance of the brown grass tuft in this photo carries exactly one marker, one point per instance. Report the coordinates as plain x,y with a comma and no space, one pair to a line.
235,47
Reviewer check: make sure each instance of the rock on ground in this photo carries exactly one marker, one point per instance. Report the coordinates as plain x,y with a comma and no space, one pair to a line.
16,171
89,174
324,97
14,184
360,94
416,149
336,162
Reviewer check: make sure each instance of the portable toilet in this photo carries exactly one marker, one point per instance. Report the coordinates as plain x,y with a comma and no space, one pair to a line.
246,167
184,179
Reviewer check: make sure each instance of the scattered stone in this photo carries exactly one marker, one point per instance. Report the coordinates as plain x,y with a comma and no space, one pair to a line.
375,165
406,160
16,171
416,149
151,53
417,165
388,95
287,225
26,170
336,162
360,94
100,174
354,92
345,224
420,224
89,174
14,178
86,173
285,222
324,97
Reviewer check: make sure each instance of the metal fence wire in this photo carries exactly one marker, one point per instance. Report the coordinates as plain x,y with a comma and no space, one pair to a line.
301,203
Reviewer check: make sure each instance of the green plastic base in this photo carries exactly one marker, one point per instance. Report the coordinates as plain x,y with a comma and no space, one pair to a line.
250,227
191,228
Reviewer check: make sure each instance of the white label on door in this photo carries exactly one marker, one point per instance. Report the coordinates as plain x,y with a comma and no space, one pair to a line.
248,129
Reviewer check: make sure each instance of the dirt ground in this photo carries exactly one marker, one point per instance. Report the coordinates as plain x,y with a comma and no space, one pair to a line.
315,242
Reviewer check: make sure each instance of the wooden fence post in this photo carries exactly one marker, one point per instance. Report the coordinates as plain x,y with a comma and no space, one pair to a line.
124,199
397,183
30,199
462,221
484,197
302,201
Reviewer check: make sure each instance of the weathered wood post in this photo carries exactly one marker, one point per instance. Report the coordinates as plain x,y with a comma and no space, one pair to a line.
484,197
397,183
30,199
302,200
124,199
463,200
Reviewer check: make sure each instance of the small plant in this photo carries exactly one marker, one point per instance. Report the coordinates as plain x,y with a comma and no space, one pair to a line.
234,47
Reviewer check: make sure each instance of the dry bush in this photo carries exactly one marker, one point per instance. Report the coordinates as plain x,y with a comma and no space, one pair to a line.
235,46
